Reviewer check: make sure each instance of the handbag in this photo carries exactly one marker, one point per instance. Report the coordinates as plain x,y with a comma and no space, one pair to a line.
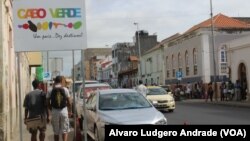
36,122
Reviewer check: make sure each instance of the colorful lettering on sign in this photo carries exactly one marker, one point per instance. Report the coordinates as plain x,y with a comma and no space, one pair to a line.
40,13
55,13
31,13
65,12
49,25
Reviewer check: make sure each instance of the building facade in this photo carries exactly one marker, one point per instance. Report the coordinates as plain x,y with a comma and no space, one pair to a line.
12,92
104,70
153,65
121,53
91,56
237,54
193,55
126,56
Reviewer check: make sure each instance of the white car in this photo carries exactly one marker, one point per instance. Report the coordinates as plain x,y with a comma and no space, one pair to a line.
160,98
80,96
119,106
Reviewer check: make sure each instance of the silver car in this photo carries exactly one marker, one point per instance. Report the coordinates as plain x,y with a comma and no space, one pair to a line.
119,106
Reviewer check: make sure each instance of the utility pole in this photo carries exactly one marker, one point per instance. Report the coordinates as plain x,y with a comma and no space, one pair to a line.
213,50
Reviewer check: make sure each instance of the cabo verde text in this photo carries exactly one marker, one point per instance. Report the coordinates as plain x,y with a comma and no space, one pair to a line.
160,134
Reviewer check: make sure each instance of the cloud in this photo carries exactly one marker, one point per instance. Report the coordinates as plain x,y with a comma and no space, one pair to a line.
111,21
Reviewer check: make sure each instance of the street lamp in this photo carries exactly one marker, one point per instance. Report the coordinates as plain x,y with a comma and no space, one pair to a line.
139,47
213,47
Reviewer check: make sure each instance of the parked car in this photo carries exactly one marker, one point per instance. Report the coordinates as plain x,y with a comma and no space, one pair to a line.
89,88
167,88
119,106
77,84
160,98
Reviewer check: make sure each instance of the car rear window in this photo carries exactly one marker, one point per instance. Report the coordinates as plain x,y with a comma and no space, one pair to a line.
89,90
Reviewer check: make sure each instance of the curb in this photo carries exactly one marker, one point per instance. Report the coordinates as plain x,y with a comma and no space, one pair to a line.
243,104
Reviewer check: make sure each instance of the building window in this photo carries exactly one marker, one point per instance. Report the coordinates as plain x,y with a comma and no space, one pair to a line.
173,66
223,59
195,61
149,66
186,63
113,54
179,62
167,66
187,71
173,75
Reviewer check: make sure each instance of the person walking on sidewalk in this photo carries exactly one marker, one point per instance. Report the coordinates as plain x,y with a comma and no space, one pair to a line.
210,91
142,89
238,90
36,114
59,103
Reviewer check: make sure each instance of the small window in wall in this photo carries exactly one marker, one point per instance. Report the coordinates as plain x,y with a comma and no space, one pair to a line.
186,63
223,59
173,66
187,71
180,62
167,67
173,75
195,61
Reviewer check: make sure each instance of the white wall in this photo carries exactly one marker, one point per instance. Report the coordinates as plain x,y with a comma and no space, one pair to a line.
239,53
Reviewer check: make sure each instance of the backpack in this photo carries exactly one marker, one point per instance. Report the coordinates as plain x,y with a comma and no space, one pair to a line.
58,98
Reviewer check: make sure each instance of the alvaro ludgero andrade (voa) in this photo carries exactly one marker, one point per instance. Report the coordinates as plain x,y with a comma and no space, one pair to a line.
160,133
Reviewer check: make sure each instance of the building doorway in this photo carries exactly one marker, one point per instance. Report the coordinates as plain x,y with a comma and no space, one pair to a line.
242,77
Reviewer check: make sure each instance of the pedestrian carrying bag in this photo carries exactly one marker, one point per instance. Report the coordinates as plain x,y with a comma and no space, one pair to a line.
36,122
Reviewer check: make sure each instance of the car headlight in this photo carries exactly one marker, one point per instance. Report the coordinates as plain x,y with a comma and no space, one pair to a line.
162,121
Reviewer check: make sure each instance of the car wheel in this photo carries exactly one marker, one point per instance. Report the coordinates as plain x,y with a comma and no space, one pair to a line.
96,135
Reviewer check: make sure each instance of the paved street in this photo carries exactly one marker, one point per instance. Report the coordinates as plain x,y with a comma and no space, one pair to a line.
189,112
200,112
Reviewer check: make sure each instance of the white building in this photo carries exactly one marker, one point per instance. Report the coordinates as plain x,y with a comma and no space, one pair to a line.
104,69
153,65
237,52
192,53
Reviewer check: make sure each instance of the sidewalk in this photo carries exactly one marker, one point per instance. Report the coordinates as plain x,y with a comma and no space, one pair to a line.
49,134
245,104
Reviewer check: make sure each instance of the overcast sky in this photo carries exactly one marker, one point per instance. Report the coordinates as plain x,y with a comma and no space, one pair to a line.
111,21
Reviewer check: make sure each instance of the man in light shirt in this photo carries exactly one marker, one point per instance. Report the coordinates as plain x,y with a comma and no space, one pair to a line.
142,89
59,103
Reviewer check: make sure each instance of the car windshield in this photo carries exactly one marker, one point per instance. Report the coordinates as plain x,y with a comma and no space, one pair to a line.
156,91
120,101
167,88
